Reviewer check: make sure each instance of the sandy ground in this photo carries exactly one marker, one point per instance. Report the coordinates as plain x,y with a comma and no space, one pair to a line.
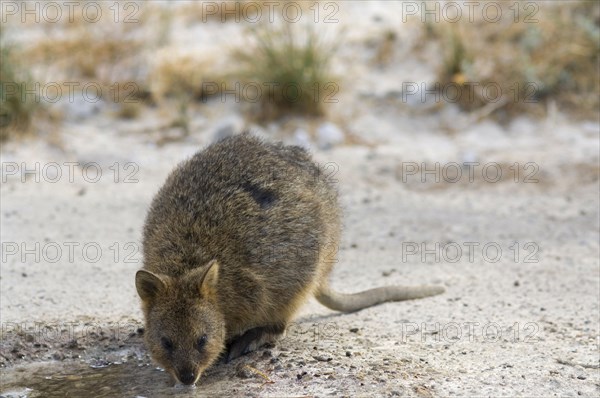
519,256
522,321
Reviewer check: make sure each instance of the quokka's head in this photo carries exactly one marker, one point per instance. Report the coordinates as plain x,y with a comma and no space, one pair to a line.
185,331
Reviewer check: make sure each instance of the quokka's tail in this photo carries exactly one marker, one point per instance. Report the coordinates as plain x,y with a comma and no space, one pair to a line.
356,301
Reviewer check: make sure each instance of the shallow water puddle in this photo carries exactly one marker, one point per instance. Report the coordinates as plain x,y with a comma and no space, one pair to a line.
53,379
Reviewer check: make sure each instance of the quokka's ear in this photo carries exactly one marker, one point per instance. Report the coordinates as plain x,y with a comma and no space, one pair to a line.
148,285
205,279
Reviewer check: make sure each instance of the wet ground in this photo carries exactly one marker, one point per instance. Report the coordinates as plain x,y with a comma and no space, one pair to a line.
308,361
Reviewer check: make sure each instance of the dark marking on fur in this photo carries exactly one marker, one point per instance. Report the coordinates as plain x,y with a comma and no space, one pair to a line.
264,197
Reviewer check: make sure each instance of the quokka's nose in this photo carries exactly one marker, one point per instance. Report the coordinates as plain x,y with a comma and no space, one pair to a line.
187,377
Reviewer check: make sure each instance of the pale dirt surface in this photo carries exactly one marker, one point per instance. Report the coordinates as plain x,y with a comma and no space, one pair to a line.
502,328
521,322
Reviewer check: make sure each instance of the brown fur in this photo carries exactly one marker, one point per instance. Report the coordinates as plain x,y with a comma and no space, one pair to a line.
239,236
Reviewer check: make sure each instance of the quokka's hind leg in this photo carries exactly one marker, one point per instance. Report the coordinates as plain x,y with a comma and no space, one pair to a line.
251,340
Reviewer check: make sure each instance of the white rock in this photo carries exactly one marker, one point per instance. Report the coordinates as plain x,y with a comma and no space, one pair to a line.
80,107
227,127
329,135
301,138
469,156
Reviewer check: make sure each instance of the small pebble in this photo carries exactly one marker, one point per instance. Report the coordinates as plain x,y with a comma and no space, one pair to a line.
267,354
300,375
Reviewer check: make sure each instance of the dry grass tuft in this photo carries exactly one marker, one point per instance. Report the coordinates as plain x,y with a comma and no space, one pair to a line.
556,57
289,64
107,54
182,75
105,57
85,54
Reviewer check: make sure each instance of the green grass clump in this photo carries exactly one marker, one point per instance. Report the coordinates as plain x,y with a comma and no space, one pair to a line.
291,66
16,105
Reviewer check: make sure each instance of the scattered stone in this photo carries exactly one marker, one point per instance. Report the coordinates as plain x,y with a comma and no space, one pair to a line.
329,135
100,364
267,354
242,371
227,128
72,344
354,330
301,138
299,376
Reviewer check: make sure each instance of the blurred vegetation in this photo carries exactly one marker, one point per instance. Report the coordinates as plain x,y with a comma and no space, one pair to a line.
106,53
182,76
291,65
18,101
552,54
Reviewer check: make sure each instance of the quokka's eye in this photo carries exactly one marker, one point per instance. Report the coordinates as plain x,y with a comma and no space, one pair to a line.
166,343
201,342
